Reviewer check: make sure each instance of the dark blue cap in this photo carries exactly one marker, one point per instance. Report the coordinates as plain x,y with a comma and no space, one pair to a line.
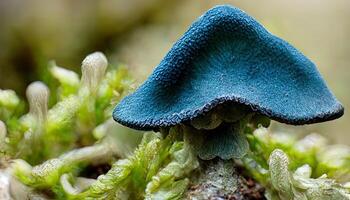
227,56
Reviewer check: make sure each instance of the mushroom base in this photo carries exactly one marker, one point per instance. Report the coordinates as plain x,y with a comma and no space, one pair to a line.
219,176
223,179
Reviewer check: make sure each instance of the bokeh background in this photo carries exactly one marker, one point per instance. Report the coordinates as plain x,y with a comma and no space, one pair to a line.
139,33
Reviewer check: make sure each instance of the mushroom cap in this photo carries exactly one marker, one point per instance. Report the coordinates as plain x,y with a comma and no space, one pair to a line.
227,56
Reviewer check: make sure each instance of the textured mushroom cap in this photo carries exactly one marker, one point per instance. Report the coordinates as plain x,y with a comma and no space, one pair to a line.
227,56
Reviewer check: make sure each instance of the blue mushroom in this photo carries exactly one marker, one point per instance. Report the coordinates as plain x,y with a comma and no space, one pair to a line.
227,57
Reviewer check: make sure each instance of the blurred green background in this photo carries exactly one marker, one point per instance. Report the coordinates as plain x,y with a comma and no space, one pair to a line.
140,32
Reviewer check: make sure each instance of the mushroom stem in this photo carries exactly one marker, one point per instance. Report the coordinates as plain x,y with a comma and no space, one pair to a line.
226,141
217,149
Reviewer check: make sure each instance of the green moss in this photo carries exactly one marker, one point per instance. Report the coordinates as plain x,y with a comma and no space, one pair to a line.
79,133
